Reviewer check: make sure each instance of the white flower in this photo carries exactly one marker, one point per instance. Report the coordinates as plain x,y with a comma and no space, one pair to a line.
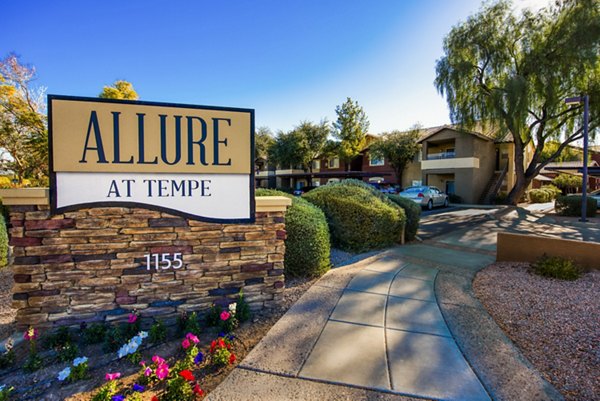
64,373
143,334
124,350
133,346
79,361
8,345
137,340
2,386
232,307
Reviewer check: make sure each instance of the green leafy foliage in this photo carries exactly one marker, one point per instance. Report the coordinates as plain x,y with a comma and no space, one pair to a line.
158,332
398,149
359,218
263,140
242,309
350,128
113,339
188,323
3,242
413,215
178,389
557,267
568,182
94,334
513,72
106,392
67,351
307,245
544,194
571,206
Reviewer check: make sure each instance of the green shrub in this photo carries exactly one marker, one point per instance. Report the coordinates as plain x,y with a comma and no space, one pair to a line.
3,242
571,206
307,246
538,196
413,215
359,218
94,334
555,191
557,267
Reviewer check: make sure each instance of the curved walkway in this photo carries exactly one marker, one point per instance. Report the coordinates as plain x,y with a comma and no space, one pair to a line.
387,333
402,325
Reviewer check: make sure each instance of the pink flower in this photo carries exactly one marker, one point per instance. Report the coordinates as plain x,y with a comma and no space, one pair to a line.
162,371
225,315
147,372
132,318
112,376
158,360
192,338
185,343
30,334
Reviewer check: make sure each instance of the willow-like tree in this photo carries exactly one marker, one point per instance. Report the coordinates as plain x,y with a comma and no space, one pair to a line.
122,90
398,148
351,129
263,140
23,133
515,72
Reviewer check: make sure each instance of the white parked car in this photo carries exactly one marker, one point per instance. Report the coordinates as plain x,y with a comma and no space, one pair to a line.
596,195
426,196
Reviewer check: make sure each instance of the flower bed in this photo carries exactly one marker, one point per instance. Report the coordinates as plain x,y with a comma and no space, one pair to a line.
165,342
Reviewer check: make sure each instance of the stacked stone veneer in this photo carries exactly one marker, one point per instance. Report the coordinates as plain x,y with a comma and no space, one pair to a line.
89,265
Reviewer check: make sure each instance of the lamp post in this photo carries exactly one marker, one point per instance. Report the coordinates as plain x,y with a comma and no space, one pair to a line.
586,100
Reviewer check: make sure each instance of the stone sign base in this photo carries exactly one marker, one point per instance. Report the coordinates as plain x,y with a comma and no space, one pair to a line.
100,264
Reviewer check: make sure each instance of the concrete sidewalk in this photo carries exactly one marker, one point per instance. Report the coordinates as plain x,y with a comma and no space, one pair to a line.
401,325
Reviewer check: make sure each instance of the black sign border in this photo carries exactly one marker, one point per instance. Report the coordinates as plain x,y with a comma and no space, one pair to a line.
53,198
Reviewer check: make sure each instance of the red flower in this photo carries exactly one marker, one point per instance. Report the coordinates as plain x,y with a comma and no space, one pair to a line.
187,375
198,390
231,359
154,398
213,344
221,343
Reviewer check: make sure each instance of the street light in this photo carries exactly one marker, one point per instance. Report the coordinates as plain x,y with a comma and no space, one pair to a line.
586,100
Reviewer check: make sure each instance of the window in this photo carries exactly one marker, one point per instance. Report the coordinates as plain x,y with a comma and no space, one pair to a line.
374,161
334,163
316,164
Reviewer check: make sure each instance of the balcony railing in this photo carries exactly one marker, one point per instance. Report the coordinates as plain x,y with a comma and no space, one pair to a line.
442,155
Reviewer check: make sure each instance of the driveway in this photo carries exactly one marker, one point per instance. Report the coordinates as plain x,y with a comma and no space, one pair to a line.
443,221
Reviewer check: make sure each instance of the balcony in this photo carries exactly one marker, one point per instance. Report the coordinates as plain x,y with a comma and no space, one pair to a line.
264,173
449,163
442,155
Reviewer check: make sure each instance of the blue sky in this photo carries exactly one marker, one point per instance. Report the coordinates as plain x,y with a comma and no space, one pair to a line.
289,60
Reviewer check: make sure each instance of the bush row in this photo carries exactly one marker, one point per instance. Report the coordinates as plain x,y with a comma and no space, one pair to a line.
359,217
413,215
544,194
571,206
307,246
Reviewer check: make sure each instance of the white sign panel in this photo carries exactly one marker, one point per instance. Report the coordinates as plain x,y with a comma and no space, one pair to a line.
212,196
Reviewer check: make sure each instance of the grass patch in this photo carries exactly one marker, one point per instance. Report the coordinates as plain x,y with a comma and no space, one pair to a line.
557,267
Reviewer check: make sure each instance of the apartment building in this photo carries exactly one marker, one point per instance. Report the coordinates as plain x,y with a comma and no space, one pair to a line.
472,165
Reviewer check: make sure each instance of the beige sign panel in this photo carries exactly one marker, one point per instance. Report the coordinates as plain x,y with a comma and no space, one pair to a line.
92,135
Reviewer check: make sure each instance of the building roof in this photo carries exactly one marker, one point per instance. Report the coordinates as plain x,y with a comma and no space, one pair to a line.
485,132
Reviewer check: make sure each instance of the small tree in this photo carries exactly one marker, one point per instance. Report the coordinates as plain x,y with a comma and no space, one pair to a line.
568,183
263,140
398,148
350,128
119,90
314,137
288,149
23,133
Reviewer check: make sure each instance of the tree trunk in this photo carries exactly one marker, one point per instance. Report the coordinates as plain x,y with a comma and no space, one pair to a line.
399,174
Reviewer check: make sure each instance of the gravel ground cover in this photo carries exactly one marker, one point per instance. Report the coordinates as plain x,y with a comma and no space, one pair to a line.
555,323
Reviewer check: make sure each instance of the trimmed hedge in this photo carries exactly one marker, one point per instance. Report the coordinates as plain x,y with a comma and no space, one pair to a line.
543,194
413,215
3,242
571,206
307,247
359,217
